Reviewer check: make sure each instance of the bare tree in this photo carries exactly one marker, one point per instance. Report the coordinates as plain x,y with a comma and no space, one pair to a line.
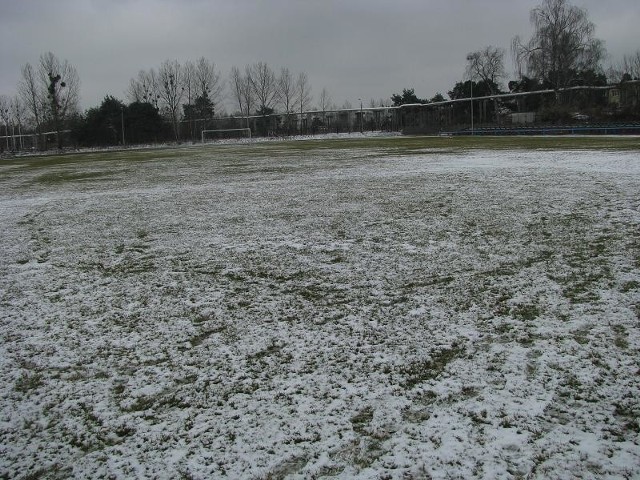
18,111
145,88
189,81
189,86
5,111
287,94
135,91
172,90
63,90
31,94
631,66
286,90
208,82
324,100
487,65
242,90
236,81
623,71
303,91
561,46
264,85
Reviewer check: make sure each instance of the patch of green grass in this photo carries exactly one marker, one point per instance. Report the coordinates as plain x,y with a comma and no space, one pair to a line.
503,328
287,468
141,403
525,312
370,450
418,372
202,336
581,335
416,415
235,276
620,339
360,422
28,381
469,392
579,291
271,349
51,472
421,144
53,178
397,145
118,389
131,264
479,418
630,286
627,413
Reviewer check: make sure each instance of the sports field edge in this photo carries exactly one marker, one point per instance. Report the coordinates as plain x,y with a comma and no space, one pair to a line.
397,144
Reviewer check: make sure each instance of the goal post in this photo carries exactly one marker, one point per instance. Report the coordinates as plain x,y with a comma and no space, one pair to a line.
226,133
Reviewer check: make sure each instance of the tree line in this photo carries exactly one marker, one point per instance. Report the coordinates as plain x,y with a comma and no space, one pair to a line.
48,95
171,100
164,102
562,52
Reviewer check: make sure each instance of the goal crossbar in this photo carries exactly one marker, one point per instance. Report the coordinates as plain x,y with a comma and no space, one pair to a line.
248,130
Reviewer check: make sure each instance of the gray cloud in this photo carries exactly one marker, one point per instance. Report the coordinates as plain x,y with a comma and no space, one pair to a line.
356,49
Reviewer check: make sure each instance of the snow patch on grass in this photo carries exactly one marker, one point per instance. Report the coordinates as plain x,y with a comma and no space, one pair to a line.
345,313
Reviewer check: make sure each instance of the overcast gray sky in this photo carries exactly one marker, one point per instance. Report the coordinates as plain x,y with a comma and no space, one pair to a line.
355,48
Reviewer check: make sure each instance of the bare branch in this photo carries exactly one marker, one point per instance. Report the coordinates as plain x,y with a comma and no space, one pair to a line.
208,82
325,100
562,44
487,65
31,94
303,91
171,80
264,85
287,90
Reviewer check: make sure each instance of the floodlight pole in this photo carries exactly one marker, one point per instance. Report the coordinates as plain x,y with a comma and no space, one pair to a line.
6,127
360,115
122,121
471,82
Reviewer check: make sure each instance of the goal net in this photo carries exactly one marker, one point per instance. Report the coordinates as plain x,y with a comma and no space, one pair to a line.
14,143
220,134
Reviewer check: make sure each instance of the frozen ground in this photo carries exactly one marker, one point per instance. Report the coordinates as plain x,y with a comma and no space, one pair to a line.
253,312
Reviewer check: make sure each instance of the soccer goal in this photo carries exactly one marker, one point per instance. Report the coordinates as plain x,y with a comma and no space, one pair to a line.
208,135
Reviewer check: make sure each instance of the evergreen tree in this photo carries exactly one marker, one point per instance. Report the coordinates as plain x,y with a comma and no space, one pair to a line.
408,96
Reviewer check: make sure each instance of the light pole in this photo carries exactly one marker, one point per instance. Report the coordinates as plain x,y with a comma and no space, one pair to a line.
361,119
471,81
470,67
122,123
6,125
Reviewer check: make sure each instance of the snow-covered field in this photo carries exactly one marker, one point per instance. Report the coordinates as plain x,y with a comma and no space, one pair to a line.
290,312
